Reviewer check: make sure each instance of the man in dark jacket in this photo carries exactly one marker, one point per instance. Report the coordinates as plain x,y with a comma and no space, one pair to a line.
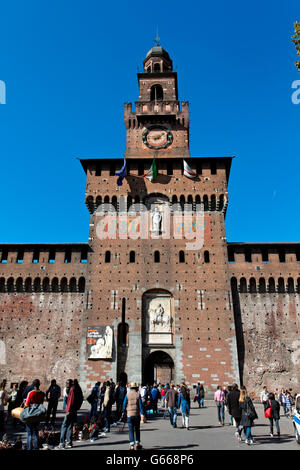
52,396
75,399
234,410
172,403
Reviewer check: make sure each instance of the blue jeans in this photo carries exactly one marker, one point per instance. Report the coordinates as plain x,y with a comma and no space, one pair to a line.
134,429
94,406
173,414
221,412
66,427
247,430
154,403
32,436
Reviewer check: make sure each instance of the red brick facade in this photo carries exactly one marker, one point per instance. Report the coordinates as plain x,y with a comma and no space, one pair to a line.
223,326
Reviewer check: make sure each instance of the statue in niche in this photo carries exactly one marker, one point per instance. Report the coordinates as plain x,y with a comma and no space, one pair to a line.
156,220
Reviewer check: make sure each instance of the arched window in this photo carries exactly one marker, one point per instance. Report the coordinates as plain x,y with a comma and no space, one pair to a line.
10,285
46,284
206,256
281,286
54,285
132,257
19,285
72,285
272,288
252,286
156,257
213,203
157,67
156,93
64,285
107,256
28,284
221,202
290,285
243,286
37,285
181,257
114,202
205,202
2,284
81,284
262,286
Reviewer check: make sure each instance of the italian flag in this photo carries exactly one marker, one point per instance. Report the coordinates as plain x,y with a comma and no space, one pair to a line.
152,172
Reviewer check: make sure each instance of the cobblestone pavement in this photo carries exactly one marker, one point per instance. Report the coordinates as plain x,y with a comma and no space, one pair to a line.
205,434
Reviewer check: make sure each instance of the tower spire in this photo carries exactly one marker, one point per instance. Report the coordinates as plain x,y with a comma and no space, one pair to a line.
157,38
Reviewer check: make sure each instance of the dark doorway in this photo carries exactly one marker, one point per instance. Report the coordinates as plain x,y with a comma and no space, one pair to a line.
158,367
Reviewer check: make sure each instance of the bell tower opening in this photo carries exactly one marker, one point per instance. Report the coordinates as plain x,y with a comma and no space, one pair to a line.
156,93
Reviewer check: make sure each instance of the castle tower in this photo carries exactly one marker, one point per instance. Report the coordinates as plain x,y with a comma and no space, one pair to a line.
168,305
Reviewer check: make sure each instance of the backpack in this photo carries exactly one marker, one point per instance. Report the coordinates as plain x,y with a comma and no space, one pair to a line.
250,410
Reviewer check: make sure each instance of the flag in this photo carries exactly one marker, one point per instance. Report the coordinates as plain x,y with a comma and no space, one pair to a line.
187,171
152,172
121,174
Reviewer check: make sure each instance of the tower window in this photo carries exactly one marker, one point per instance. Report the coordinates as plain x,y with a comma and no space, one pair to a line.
181,256
156,257
206,256
132,257
107,257
157,67
156,93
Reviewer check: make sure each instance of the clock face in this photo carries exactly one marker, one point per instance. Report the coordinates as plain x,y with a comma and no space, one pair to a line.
157,137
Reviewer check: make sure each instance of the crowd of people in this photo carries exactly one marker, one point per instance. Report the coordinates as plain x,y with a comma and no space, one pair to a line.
134,404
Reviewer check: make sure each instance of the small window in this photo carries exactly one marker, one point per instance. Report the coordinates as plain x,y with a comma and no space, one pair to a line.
181,256
157,67
132,257
156,257
107,256
206,256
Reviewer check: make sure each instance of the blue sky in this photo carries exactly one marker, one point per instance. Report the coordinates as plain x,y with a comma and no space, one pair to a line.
70,65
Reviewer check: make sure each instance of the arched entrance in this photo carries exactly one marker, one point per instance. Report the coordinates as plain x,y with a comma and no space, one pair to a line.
158,367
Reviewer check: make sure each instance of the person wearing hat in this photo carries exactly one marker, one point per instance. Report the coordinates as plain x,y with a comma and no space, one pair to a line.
133,404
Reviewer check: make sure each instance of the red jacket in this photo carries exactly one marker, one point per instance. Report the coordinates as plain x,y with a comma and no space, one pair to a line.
75,399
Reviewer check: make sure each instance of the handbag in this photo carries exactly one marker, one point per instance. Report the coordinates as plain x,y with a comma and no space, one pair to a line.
268,412
33,414
16,412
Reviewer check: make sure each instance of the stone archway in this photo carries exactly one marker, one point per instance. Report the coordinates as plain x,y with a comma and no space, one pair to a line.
159,368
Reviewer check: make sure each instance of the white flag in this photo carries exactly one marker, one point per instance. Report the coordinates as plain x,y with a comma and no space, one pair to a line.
187,171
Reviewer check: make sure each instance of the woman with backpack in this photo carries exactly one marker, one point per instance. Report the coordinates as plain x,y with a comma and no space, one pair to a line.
248,414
